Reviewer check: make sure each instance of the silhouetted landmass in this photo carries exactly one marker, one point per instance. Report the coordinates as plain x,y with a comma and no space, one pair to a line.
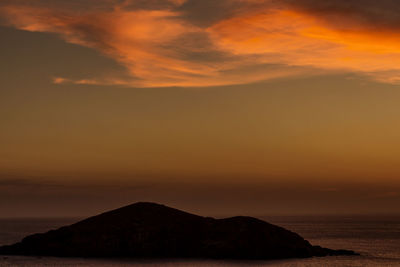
148,230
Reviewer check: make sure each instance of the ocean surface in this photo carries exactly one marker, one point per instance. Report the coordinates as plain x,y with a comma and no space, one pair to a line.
376,238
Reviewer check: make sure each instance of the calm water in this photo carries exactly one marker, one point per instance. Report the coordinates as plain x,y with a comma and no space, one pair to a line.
376,238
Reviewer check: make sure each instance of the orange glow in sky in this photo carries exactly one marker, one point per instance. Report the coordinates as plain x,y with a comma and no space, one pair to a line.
287,104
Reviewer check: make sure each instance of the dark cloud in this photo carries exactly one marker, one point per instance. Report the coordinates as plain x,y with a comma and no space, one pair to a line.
215,199
149,4
77,5
369,13
207,12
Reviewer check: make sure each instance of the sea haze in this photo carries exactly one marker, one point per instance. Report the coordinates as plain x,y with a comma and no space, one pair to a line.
377,238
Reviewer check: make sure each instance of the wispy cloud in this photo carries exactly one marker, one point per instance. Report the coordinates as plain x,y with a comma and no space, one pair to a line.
161,44
293,37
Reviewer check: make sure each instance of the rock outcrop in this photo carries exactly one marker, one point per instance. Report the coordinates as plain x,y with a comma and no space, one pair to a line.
148,230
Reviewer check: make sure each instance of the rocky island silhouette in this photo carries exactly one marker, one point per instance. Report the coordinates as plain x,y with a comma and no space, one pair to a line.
149,230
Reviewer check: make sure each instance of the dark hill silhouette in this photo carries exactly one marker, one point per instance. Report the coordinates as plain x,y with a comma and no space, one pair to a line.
148,230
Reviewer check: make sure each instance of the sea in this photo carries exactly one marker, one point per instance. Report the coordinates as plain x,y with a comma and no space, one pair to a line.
376,238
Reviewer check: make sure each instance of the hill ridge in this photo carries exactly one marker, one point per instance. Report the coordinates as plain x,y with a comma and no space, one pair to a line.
151,230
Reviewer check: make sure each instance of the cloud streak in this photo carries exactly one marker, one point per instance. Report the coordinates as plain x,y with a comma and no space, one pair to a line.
172,43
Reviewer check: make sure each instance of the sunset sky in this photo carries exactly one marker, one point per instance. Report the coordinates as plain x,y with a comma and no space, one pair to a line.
218,107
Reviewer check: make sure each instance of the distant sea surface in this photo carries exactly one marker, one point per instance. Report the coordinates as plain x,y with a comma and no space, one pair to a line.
376,238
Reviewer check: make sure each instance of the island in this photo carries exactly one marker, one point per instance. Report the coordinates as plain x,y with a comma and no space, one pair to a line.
150,230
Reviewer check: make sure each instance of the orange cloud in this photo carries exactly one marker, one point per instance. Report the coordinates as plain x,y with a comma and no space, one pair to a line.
298,39
161,47
137,39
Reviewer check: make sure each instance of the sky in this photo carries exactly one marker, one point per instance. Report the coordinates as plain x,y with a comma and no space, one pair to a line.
227,107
